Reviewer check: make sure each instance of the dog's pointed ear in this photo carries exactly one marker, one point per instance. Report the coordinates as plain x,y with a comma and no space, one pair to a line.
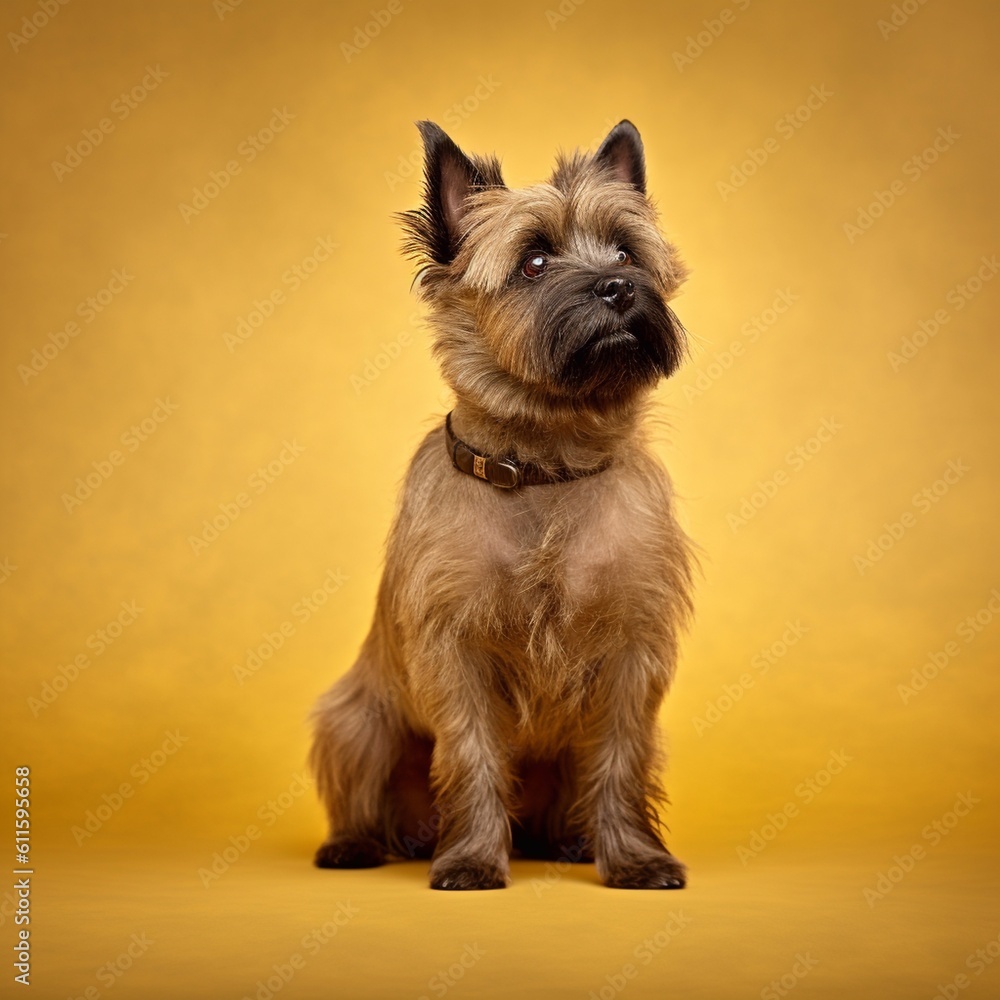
621,153
449,178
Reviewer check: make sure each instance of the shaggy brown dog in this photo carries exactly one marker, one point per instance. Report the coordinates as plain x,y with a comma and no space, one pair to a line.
536,580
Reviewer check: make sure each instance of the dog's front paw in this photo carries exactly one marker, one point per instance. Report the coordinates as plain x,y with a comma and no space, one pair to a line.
350,852
658,871
467,873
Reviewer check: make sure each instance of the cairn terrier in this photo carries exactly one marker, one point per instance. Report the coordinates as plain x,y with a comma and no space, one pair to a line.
536,580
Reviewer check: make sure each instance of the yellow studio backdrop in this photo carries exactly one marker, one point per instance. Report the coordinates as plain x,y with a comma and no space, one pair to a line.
214,375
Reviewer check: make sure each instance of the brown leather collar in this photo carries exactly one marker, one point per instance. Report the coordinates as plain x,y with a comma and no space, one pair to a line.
507,473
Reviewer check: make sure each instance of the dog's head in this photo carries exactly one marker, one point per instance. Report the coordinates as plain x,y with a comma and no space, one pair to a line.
557,291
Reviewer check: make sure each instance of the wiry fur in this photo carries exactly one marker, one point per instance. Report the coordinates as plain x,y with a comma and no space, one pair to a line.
523,640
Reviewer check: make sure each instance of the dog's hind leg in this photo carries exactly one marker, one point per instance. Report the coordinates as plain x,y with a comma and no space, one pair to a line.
357,740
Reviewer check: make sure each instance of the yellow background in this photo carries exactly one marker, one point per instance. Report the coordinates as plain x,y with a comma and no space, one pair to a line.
338,170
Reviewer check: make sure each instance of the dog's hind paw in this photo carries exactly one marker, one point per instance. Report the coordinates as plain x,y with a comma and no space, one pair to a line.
350,852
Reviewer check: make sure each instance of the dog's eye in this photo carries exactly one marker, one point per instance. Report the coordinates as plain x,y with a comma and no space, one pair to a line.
534,265
623,256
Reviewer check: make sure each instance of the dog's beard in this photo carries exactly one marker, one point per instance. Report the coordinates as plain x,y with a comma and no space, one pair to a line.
595,349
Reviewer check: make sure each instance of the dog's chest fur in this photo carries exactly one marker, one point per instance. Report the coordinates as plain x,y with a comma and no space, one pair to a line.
564,585
551,584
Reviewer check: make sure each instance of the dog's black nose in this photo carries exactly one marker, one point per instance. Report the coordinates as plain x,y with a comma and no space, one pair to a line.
617,292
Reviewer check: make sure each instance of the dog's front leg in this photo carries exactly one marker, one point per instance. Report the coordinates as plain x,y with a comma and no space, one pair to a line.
470,772
619,782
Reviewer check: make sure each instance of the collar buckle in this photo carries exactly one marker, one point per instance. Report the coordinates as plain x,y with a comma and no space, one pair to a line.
506,475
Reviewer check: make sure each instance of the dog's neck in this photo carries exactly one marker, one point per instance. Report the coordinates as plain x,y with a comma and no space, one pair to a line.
560,438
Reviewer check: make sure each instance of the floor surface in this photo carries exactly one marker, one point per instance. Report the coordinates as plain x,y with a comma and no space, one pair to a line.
270,924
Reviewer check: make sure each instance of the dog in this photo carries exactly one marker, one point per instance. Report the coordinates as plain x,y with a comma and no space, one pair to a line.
536,581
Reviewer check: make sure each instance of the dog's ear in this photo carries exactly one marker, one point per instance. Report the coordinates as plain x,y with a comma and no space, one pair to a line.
621,153
449,178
